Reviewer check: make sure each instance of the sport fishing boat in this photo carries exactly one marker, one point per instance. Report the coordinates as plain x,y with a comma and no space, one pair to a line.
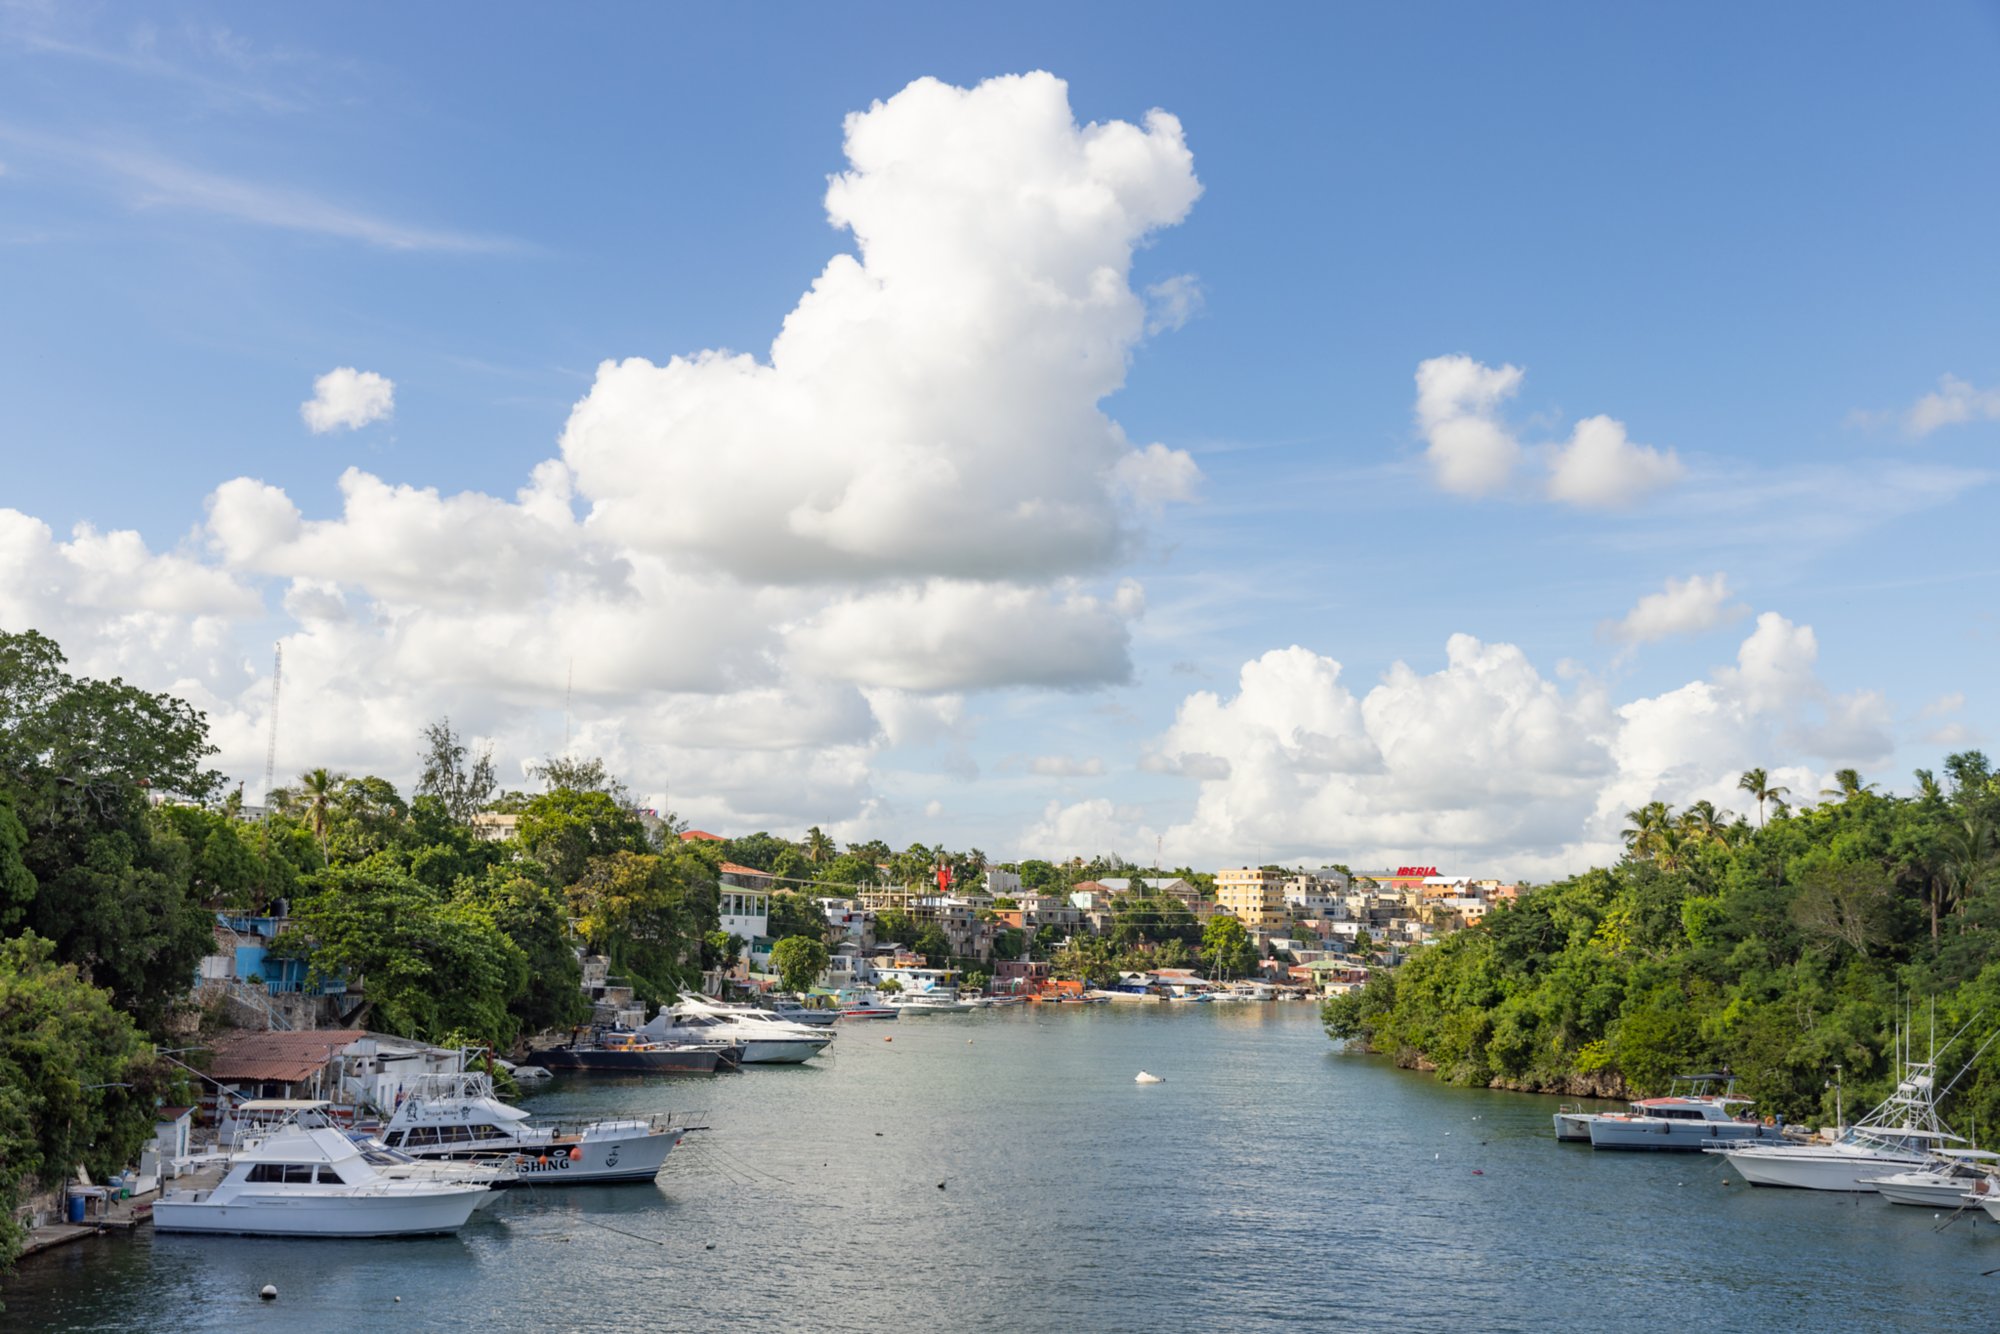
304,1182
623,1052
764,1038
456,1117
1903,1134
1699,1110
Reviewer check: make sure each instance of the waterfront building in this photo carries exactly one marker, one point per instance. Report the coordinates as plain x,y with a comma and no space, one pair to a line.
1159,886
1253,896
746,902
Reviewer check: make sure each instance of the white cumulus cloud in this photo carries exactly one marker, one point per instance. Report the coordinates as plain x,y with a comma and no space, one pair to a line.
1684,607
1600,468
1470,450
931,405
346,397
1483,764
1066,766
1473,452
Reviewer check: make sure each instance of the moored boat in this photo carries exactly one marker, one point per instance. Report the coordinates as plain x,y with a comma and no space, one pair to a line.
457,1117
764,1038
303,1182
627,1053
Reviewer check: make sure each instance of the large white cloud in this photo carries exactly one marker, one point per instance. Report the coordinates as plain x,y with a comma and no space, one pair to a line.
743,579
1484,764
931,406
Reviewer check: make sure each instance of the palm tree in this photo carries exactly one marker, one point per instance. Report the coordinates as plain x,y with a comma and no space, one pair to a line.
1848,785
1758,784
1645,834
319,789
818,845
1701,823
1928,789
1966,864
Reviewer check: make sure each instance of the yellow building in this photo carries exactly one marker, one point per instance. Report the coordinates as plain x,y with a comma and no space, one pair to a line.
1253,897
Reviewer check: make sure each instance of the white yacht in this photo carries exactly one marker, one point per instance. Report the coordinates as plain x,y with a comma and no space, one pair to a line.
456,1116
253,1122
1903,1134
766,1039
315,1183
1698,1111
1953,1178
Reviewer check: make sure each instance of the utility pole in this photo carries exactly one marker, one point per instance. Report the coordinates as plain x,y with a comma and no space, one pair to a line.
271,746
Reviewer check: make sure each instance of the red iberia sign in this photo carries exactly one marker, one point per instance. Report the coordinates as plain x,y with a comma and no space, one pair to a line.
1403,871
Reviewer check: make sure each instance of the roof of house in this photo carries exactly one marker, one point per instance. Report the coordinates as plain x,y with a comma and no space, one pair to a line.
702,836
280,1057
731,868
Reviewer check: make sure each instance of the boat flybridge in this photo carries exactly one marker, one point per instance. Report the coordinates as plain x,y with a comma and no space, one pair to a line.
1903,1134
457,1117
1699,1110
315,1182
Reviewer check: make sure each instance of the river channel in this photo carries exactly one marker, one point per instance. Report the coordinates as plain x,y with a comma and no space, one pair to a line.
1002,1171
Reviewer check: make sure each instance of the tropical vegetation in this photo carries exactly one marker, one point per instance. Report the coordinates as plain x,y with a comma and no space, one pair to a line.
1786,950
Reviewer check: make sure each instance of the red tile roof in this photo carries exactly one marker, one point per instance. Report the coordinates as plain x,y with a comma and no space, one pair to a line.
701,835
731,868
284,1058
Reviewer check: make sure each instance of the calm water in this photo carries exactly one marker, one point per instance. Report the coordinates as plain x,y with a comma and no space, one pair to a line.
1271,1182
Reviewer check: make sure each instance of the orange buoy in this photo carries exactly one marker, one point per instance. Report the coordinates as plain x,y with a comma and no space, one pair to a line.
543,1160
888,1039
576,1154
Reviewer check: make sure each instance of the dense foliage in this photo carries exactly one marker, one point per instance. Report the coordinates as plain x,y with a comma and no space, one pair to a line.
1781,952
78,1083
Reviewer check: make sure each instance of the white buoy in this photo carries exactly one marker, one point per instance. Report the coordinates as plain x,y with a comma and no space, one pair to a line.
269,1292
1143,1078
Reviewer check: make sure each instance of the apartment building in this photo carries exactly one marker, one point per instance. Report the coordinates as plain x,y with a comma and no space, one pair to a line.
1253,897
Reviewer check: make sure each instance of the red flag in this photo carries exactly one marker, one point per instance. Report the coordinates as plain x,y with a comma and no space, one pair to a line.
944,878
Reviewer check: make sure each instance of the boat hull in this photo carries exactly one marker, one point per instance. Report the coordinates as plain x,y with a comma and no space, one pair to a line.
780,1051
304,1216
1807,1168
663,1062
1574,1127
1917,1190
1659,1135
598,1161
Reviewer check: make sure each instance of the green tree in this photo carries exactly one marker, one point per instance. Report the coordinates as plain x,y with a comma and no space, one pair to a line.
536,920
818,846
932,943
893,924
1758,784
78,1084
1226,948
428,966
649,914
566,828
799,960
463,781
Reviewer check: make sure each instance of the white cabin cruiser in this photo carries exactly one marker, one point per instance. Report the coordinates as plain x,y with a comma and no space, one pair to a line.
766,1039
315,1183
1698,1112
930,1002
1955,1177
794,1013
456,1117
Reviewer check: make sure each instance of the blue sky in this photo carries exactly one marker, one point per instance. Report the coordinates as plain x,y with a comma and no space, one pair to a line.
1757,240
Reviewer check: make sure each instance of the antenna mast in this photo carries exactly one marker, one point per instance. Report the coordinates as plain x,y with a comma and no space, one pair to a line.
271,746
